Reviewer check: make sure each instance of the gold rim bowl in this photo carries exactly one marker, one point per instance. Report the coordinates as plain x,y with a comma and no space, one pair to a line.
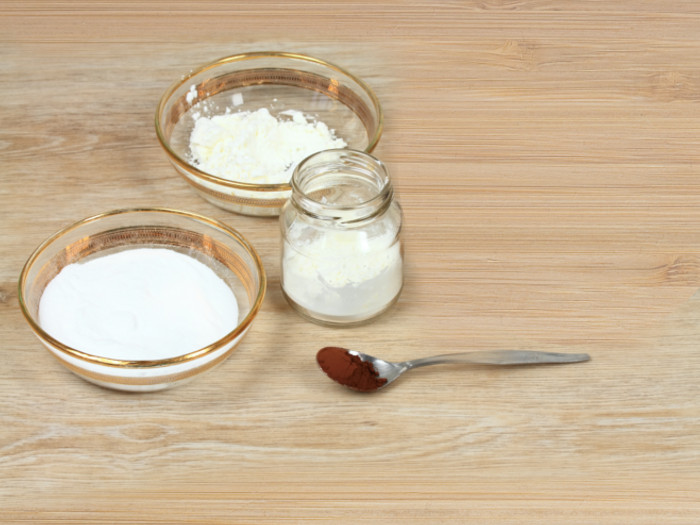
211,242
278,81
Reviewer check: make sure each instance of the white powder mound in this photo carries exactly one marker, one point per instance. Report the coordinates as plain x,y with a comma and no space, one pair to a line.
342,258
342,273
255,147
139,304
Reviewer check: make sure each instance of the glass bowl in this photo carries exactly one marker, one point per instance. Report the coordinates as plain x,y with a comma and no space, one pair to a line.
221,248
279,82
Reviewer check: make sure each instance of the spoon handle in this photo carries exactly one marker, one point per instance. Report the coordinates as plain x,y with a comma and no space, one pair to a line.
499,357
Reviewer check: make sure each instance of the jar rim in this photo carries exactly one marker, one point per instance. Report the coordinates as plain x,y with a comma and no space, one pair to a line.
358,166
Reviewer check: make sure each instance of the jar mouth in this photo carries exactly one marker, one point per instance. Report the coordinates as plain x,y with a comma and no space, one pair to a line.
343,185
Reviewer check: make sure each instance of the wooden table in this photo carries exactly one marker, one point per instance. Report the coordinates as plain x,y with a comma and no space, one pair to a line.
547,157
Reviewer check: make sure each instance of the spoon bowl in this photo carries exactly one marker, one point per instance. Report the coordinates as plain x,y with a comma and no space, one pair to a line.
366,373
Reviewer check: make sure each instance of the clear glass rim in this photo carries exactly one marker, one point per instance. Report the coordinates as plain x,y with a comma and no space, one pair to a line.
345,213
183,164
155,363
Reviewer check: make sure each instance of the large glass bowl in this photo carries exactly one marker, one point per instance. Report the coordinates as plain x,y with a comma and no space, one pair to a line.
279,82
221,248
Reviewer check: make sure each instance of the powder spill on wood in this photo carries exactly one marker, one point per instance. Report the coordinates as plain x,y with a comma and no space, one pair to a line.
349,370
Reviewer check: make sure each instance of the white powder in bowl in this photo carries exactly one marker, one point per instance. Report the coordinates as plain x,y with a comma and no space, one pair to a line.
139,304
255,147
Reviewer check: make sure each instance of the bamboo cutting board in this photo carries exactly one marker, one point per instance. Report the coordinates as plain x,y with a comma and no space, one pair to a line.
546,156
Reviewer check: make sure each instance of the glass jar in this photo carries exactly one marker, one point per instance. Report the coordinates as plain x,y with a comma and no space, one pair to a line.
342,262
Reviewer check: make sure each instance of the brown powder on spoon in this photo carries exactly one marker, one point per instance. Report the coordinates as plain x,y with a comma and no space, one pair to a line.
349,370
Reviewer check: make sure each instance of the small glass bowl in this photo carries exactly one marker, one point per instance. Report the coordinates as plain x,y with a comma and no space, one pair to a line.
221,248
277,81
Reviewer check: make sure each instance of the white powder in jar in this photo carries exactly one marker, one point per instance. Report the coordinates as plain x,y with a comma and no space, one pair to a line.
255,147
342,273
138,304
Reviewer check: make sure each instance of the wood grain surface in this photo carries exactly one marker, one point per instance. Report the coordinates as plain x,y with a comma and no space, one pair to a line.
547,157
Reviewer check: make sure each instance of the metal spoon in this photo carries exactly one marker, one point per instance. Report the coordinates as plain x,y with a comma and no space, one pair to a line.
366,373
